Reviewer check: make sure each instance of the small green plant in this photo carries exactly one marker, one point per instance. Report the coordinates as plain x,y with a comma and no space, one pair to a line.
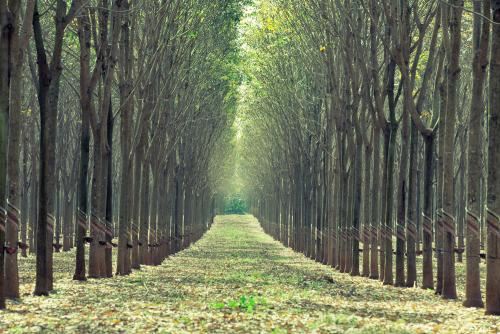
218,305
244,303
247,303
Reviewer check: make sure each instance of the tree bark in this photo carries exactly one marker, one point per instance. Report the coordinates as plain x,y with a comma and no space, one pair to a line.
402,201
427,269
480,39
453,74
6,30
375,213
367,209
413,197
493,221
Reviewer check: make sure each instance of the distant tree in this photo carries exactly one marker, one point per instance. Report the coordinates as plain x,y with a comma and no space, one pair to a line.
235,205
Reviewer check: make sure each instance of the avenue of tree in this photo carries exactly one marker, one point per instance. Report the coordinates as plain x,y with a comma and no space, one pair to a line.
370,138
114,123
364,134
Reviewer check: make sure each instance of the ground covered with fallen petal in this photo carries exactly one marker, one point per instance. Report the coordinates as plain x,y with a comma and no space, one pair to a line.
234,280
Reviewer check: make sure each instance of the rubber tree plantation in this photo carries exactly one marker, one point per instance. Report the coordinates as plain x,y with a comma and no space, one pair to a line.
250,166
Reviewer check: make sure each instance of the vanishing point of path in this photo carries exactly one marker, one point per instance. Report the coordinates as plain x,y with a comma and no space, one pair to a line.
235,280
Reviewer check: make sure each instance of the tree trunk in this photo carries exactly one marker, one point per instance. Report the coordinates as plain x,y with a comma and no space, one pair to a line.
427,270
448,222
438,229
413,197
67,223
57,236
5,49
481,32
25,212
44,228
493,220
357,191
96,224
137,193
388,274
144,218
402,202
13,212
33,200
367,209
375,199
108,249
129,190
81,216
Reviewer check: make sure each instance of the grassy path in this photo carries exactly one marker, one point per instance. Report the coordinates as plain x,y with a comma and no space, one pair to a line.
235,280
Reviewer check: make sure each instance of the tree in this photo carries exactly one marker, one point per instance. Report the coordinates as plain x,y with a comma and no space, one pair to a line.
49,75
6,32
480,38
21,32
452,19
493,221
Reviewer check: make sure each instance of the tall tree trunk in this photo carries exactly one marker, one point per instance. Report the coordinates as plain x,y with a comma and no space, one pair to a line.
335,233
349,217
82,211
19,35
402,202
57,234
137,193
144,217
493,218
96,224
67,223
25,212
11,287
357,191
85,105
480,39
177,209
375,199
153,226
6,30
438,230
48,97
391,141
128,190
427,269
413,197
448,221
33,199
108,249
383,228
367,209
44,222
389,209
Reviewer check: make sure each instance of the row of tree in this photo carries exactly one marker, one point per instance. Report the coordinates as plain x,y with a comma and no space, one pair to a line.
115,116
376,124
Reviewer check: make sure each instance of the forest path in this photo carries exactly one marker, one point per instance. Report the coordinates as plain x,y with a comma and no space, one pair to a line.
236,279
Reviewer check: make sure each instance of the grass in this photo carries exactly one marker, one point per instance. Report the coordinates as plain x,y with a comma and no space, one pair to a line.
235,280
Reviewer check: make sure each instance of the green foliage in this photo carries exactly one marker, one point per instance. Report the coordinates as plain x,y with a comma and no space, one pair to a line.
244,303
247,303
235,205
